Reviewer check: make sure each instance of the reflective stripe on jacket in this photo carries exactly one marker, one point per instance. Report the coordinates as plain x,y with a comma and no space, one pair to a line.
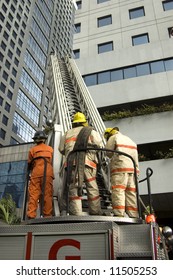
68,141
122,163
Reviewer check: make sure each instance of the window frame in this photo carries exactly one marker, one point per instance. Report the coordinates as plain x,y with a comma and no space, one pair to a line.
101,21
102,1
164,3
144,35
77,51
105,44
136,10
79,4
77,27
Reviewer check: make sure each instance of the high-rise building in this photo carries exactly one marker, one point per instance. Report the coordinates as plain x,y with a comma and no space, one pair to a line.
124,51
29,32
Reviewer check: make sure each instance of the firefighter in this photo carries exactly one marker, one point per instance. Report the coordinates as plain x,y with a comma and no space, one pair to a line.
84,165
36,166
124,197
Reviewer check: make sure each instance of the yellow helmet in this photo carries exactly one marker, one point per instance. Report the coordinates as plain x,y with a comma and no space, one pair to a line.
110,131
79,118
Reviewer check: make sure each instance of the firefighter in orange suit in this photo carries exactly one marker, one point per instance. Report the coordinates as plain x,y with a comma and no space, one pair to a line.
37,174
90,162
124,197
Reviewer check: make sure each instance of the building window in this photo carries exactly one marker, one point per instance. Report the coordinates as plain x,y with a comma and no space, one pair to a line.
2,133
16,61
143,69
22,128
91,80
18,52
13,8
5,75
2,17
12,44
76,54
1,57
129,72
10,17
14,72
28,107
1,100
157,67
4,8
170,32
16,25
101,1
105,47
140,39
13,141
3,45
14,34
167,5
8,26
10,54
12,83
5,35
2,87
169,64
77,27
79,4
4,120
103,21
9,94
104,77
20,42
135,13
32,88
7,107
7,64
116,75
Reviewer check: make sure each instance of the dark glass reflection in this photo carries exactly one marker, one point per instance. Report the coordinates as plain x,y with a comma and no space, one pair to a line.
13,177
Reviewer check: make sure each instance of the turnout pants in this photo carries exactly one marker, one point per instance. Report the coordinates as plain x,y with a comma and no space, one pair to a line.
75,203
124,195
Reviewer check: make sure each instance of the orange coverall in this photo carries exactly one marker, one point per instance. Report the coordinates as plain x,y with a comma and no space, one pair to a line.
36,180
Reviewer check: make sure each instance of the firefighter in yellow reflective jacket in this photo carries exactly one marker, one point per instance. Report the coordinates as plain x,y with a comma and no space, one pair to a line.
36,166
122,172
89,164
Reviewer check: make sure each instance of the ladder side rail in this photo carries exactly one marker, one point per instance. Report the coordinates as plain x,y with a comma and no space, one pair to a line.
62,108
92,110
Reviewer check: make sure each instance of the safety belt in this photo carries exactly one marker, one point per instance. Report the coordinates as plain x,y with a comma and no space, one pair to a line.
79,157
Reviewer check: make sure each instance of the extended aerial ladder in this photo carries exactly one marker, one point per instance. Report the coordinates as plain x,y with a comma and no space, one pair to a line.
70,95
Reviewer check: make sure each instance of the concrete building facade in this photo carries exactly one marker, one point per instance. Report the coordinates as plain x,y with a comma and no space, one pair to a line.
124,50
